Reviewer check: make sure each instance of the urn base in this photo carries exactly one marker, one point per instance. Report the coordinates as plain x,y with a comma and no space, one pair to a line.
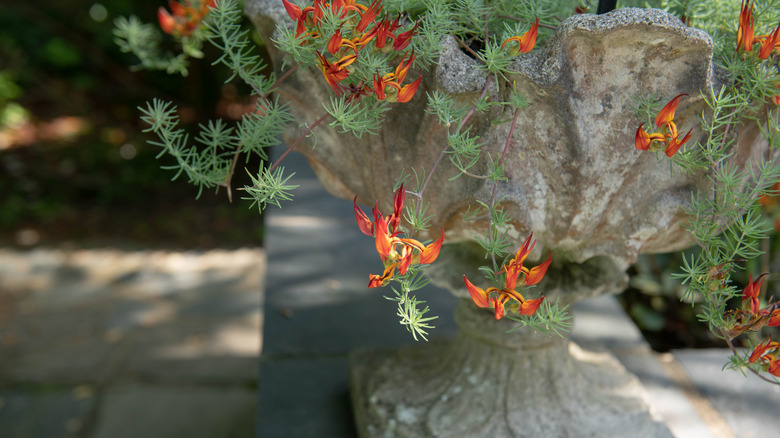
514,385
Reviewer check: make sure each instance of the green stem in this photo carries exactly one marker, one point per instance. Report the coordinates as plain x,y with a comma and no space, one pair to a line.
427,179
492,204
736,353
297,141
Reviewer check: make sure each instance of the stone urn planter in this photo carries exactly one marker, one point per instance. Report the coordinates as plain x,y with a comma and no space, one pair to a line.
574,179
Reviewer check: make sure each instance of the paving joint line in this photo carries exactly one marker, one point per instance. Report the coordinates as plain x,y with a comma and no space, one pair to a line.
719,427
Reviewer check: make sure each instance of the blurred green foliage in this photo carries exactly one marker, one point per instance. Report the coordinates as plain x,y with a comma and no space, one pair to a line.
74,165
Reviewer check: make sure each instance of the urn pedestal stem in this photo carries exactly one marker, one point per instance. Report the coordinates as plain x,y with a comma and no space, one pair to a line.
486,383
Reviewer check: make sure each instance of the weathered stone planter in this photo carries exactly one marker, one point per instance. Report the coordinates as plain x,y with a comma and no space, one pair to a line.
574,179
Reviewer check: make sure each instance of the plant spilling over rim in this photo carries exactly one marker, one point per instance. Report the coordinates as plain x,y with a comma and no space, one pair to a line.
372,54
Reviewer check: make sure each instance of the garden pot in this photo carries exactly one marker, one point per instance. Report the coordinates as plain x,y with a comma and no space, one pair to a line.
574,180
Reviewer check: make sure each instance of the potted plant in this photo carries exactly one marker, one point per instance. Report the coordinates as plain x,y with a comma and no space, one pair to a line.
493,134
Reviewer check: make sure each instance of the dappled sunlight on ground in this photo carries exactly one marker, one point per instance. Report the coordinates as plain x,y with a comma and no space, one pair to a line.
27,132
105,323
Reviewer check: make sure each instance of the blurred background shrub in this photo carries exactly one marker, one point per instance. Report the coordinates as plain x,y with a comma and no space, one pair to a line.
74,166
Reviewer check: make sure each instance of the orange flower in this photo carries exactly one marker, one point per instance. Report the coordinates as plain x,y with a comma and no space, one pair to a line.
336,72
766,353
642,140
186,17
403,39
762,348
389,86
347,5
774,367
367,226
674,143
751,292
667,112
745,35
292,10
774,318
369,15
307,17
530,307
498,298
525,42
397,253
768,43
384,30
668,139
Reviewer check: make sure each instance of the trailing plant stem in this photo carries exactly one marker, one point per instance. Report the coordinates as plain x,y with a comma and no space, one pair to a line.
492,203
298,140
736,353
427,179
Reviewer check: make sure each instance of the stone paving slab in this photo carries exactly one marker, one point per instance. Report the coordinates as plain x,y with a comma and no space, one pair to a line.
88,337
305,397
104,310
65,411
137,410
750,406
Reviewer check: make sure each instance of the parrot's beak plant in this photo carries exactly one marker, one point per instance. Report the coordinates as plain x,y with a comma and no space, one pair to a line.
373,55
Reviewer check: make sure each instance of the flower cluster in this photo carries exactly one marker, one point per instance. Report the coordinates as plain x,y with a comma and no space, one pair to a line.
525,42
508,296
397,253
666,139
359,29
767,354
746,38
186,17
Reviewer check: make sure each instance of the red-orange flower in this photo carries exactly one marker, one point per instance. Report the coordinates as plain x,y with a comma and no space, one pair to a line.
335,43
751,292
336,72
667,112
767,43
292,10
185,18
347,5
745,35
389,86
369,15
773,367
498,298
674,143
774,318
384,30
526,41
642,140
403,39
667,139
762,349
306,18
397,253
766,353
